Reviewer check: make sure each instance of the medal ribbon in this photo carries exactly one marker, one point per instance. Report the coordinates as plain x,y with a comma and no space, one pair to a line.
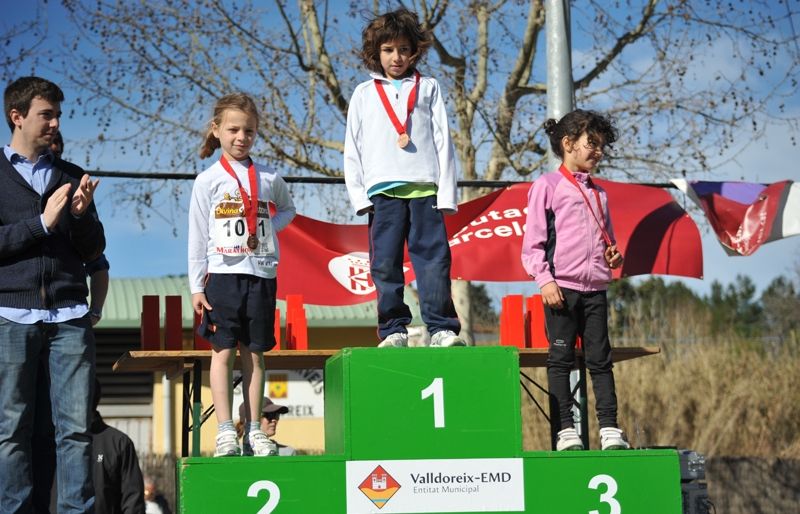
564,171
250,204
412,99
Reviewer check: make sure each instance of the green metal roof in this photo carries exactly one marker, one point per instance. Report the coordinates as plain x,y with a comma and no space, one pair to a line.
124,305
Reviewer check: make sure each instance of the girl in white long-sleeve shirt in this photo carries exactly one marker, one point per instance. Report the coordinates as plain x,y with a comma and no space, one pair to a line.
233,257
399,167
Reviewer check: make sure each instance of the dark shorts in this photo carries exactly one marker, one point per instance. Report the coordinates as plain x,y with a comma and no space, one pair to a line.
243,311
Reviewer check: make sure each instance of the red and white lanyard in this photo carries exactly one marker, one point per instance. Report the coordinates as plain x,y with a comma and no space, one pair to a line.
571,178
250,203
403,137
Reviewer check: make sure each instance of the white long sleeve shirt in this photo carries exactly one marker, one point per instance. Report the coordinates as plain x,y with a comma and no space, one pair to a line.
218,229
371,154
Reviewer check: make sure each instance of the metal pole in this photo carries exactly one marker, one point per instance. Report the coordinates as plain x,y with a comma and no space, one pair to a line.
166,397
560,92
197,387
185,410
560,101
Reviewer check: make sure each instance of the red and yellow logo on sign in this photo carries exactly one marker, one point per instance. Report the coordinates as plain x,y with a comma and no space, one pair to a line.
379,487
278,385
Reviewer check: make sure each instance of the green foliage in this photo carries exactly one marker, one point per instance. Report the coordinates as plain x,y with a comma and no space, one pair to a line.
780,302
481,310
735,308
654,310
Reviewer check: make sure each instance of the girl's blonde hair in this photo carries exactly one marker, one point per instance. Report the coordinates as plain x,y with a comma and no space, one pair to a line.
237,101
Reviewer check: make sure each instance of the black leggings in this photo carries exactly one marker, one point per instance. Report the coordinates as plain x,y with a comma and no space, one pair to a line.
585,314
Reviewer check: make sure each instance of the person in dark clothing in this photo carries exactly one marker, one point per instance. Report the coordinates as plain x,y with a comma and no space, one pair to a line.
154,501
48,229
118,481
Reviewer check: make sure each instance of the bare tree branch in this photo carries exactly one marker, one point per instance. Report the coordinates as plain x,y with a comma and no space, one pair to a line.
622,42
683,79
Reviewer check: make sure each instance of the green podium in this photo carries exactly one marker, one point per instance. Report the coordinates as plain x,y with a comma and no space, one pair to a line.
430,430
420,403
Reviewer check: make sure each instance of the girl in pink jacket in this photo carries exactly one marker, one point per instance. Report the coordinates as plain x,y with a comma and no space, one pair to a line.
569,249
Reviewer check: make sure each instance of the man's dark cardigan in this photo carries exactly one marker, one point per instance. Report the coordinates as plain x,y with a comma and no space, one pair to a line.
40,270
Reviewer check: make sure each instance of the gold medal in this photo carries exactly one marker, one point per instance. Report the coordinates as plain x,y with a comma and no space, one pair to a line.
403,140
252,242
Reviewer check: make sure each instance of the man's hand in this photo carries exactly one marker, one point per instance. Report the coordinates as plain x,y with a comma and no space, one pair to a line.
552,296
613,257
84,195
54,207
200,302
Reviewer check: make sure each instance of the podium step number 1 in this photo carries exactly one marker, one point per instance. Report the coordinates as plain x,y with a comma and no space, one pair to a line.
436,390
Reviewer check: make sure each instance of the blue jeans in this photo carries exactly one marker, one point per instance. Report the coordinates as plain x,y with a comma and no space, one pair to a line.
394,223
69,353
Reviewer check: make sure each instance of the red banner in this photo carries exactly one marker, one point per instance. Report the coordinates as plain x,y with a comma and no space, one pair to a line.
329,264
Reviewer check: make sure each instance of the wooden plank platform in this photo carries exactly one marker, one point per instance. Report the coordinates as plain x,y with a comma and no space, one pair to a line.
174,362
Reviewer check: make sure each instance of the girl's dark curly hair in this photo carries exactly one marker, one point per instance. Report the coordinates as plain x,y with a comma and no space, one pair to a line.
388,27
576,123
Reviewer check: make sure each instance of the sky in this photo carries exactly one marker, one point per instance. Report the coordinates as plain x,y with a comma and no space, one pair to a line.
159,248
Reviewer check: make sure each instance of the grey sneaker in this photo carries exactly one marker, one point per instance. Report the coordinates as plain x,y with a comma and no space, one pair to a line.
568,439
227,444
446,338
612,438
261,445
398,339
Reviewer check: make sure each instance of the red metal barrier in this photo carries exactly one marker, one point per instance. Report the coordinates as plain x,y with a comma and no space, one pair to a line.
512,326
173,323
535,333
296,324
149,336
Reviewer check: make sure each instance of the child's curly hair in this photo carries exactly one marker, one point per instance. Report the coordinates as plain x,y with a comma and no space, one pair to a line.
574,124
388,27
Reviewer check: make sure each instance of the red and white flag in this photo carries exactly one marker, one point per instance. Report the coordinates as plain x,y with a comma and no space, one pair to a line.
745,215
329,263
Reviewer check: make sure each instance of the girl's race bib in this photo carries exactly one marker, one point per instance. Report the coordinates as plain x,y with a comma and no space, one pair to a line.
229,233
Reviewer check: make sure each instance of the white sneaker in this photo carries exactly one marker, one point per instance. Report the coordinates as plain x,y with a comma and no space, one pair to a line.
227,444
446,338
568,439
398,339
261,445
612,438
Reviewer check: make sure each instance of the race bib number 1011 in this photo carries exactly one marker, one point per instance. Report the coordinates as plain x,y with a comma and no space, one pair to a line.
230,230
